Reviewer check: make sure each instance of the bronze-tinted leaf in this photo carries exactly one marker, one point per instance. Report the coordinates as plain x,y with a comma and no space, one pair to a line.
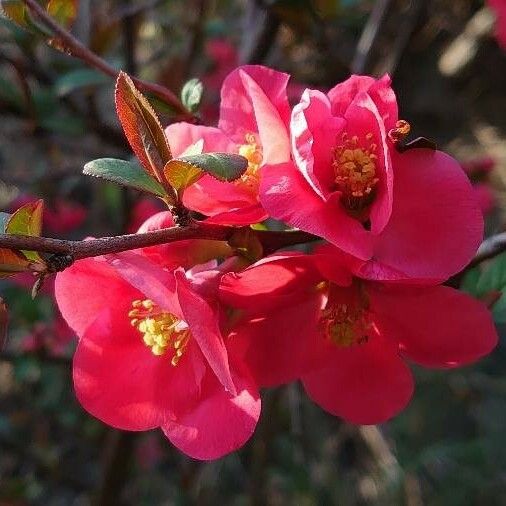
142,127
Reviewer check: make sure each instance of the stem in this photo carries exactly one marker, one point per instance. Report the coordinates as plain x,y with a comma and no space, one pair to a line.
489,248
79,50
271,241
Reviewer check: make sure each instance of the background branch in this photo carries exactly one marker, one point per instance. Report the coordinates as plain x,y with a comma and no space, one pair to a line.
78,50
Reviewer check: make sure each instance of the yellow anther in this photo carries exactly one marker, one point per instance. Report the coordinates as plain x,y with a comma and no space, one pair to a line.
355,171
253,153
346,323
158,329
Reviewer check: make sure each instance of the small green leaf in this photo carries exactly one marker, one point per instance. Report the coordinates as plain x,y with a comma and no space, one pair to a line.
222,166
76,79
124,173
181,174
63,11
191,94
27,220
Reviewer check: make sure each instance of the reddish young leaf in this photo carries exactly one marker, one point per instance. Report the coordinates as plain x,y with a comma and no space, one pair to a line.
142,128
12,263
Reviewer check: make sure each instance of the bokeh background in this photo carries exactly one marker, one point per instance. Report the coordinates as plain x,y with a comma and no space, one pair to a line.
449,71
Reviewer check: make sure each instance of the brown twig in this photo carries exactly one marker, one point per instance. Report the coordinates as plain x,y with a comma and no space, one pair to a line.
369,36
489,248
271,241
78,50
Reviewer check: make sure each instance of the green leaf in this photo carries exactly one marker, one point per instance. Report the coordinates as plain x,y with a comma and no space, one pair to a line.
27,220
124,173
180,174
191,94
76,79
63,11
222,166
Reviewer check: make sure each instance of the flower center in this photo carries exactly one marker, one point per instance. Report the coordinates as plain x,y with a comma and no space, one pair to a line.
252,151
161,331
355,171
345,320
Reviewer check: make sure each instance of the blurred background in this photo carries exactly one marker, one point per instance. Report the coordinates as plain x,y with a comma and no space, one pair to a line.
448,63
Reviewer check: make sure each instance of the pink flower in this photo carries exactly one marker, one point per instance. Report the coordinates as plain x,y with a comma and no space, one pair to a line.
352,187
254,117
151,353
499,7
143,209
360,336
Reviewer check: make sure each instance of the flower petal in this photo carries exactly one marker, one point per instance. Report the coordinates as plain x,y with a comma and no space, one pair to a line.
281,345
220,423
365,384
182,135
436,224
287,196
203,321
86,288
380,91
118,379
434,326
237,110
314,132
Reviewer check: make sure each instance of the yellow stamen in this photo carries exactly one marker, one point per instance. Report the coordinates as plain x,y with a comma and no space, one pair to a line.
252,151
158,329
355,171
346,324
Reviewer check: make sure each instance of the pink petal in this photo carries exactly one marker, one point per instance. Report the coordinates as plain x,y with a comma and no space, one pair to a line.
380,91
240,217
362,119
183,135
211,197
436,224
286,196
237,110
262,285
220,423
434,326
149,278
314,133
86,288
271,127
281,345
366,384
203,321
118,379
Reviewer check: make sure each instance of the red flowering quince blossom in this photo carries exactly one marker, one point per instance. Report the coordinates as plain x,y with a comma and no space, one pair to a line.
358,338
151,353
499,8
254,119
412,213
